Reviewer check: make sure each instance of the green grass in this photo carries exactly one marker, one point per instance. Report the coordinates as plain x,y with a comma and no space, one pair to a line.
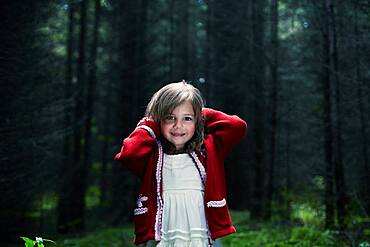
249,234
282,237
111,237
255,234
265,235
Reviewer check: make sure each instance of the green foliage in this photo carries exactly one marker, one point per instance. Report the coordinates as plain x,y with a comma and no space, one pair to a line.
49,200
28,242
249,234
364,244
39,242
251,238
272,236
92,197
113,237
308,214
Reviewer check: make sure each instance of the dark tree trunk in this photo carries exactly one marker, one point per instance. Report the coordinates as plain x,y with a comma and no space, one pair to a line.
64,205
184,37
361,106
75,221
333,142
328,135
274,102
91,89
256,50
288,180
171,40
105,153
209,66
337,118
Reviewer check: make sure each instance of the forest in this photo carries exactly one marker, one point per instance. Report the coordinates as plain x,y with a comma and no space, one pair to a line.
76,76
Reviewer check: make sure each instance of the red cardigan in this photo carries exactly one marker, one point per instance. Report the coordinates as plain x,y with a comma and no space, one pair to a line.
142,153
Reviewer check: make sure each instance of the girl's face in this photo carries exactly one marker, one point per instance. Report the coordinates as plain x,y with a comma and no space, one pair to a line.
179,127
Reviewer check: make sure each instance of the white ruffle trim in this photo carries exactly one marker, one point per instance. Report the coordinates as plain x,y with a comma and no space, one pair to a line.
138,211
197,237
216,204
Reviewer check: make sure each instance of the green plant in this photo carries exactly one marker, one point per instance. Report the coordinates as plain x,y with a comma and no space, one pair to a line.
39,241
364,244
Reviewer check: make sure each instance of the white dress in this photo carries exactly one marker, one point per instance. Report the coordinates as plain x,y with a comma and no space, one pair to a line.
184,222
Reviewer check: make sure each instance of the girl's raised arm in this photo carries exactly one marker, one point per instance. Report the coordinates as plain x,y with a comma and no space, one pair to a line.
138,147
228,129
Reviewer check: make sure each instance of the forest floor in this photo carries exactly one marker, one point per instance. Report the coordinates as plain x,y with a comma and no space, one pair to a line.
248,235
305,231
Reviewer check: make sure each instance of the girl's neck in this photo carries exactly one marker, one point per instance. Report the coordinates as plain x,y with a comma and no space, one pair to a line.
172,152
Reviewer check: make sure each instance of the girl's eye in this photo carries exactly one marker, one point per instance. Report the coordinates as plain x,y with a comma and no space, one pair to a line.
188,119
170,118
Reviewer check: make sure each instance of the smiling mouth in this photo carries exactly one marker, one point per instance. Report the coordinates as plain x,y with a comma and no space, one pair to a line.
177,134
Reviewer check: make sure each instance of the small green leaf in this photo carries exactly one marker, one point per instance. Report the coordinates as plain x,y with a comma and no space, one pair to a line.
28,242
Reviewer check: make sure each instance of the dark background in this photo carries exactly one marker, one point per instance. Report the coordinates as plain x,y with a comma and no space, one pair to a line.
76,77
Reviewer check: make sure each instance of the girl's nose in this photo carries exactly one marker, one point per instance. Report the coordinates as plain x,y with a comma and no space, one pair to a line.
177,124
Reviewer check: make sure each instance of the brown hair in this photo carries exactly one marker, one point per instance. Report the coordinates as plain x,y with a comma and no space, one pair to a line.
166,99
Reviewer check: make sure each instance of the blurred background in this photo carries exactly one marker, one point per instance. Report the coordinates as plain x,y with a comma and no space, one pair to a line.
76,76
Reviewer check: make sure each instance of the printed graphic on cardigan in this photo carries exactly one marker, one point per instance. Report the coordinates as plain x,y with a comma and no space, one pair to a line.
217,204
140,209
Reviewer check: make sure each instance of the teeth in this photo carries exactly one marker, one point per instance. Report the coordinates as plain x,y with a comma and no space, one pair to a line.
174,134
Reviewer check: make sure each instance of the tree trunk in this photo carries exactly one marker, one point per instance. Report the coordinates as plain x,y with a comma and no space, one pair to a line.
64,202
77,197
184,24
91,89
171,34
209,66
328,135
361,106
334,80
335,173
274,102
257,73
288,183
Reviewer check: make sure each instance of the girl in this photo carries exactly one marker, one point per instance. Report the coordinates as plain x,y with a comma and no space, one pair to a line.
177,150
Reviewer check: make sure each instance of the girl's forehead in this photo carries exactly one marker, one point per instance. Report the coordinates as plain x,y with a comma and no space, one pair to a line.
183,108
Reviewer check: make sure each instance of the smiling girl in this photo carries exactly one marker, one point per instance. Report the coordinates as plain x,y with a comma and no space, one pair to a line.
177,150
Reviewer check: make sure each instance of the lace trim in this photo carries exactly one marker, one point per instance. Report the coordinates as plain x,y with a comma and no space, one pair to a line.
200,167
140,200
138,211
194,233
184,243
216,204
158,217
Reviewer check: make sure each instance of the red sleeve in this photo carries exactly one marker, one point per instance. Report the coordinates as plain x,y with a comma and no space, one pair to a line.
138,147
228,129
